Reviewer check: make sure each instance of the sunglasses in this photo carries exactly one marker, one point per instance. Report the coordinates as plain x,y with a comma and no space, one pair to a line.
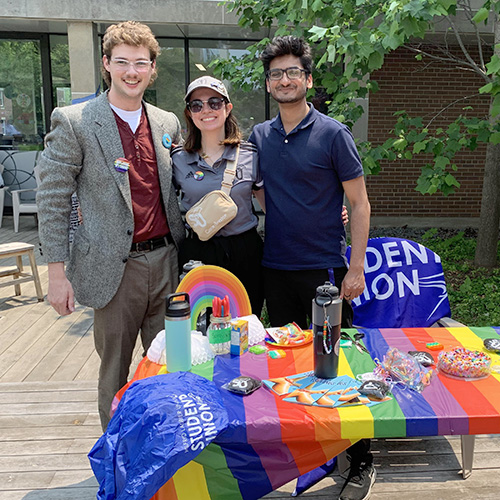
215,103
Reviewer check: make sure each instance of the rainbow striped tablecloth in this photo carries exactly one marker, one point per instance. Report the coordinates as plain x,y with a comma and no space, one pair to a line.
270,441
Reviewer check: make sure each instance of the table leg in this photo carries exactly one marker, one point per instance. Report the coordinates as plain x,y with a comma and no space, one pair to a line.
343,464
36,277
19,261
467,443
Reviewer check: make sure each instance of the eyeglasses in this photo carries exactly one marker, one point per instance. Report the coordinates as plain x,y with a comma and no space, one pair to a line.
292,73
140,65
215,103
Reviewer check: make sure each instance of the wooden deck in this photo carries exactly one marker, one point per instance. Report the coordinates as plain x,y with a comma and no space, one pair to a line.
49,420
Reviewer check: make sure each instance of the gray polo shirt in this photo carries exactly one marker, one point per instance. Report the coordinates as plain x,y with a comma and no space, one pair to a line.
194,177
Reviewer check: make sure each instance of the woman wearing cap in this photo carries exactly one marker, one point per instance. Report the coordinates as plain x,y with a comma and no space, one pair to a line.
212,139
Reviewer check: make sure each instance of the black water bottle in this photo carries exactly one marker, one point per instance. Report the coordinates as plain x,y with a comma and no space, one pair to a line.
202,320
326,319
189,266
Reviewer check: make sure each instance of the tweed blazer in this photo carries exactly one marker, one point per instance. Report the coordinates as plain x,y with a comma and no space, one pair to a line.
79,155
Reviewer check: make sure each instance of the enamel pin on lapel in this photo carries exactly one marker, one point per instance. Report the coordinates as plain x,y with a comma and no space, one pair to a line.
166,141
122,165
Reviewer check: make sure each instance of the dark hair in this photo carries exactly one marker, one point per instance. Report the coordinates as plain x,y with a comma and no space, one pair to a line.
284,46
232,132
131,33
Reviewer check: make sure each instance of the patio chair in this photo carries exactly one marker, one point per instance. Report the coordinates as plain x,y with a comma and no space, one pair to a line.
24,206
2,193
20,165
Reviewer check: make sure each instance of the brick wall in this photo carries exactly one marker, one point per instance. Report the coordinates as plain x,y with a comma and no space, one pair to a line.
423,88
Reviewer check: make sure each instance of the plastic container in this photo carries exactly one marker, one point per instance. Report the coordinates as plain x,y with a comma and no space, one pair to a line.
219,334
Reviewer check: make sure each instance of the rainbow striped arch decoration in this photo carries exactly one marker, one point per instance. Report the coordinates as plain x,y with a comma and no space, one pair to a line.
206,282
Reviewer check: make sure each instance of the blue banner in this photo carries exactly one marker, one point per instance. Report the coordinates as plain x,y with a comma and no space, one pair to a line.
405,286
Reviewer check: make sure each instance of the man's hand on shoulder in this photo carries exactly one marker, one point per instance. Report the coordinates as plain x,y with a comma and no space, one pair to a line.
60,295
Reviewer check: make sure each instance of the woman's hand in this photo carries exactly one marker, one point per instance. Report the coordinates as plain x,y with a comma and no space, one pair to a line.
345,215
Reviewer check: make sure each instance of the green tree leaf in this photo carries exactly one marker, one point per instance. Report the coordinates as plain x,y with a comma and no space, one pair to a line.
451,181
318,32
481,15
419,147
441,162
375,61
486,88
494,65
495,138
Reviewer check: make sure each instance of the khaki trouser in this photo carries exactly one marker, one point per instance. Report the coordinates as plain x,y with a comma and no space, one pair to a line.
139,305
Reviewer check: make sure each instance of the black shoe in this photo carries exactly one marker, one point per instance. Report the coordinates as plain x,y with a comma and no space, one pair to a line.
358,485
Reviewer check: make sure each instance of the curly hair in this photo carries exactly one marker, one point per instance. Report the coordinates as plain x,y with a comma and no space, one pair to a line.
129,33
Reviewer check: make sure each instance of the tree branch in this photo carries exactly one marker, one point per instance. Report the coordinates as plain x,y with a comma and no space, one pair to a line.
450,58
464,49
469,65
449,106
468,12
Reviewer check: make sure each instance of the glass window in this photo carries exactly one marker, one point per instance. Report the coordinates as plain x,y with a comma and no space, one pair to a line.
22,122
167,92
249,107
59,61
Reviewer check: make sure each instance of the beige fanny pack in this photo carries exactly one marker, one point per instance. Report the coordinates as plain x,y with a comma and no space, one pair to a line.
217,208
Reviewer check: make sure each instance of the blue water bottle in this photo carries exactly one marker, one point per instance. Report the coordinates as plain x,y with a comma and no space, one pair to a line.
178,332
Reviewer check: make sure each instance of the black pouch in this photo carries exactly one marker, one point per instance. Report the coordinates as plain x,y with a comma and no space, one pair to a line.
492,345
374,389
243,385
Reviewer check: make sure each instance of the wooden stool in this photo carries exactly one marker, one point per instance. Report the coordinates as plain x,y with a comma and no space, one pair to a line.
17,250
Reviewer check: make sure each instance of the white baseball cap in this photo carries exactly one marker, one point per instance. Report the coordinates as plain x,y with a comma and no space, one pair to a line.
208,82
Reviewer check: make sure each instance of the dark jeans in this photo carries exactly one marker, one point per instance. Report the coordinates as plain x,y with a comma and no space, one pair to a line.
289,296
240,254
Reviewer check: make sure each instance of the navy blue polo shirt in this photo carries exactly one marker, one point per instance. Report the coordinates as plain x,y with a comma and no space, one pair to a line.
303,173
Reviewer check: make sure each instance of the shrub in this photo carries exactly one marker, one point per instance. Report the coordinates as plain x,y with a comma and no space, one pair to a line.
474,292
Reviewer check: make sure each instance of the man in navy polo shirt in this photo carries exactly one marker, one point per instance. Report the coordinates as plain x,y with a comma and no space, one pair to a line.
308,161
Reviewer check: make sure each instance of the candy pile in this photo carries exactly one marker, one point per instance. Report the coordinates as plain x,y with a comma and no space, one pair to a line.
464,363
290,335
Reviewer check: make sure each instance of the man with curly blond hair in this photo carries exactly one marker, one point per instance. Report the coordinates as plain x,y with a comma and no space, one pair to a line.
114,150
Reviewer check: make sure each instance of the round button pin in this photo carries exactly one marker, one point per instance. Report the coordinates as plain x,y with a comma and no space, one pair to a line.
198,176
166,141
